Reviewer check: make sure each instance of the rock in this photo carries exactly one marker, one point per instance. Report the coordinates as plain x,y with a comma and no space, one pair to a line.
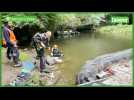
26,49
53,60
50,60
58,60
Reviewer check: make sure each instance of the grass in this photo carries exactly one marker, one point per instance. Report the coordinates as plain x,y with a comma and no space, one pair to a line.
24,56
118,31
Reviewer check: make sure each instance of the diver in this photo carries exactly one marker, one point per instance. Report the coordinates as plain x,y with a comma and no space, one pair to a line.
56,52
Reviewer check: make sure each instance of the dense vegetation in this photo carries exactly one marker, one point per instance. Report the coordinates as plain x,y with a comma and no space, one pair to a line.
25,29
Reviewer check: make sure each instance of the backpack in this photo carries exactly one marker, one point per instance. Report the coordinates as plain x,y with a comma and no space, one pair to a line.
11,36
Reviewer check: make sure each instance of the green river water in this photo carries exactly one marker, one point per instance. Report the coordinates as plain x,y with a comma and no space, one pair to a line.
78,50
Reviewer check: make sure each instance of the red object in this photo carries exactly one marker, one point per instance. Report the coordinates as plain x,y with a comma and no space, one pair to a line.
110,71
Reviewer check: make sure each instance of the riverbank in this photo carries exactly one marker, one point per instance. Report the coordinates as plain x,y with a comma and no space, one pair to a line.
9,72
117,31
76,52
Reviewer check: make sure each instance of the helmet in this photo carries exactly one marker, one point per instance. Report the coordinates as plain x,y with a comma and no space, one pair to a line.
55,46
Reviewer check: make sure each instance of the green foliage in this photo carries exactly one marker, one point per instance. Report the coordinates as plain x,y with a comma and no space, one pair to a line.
51,21
118,31
69,20
91,18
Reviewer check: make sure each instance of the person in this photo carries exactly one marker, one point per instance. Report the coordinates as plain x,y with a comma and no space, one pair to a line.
56,52
9,41
40,41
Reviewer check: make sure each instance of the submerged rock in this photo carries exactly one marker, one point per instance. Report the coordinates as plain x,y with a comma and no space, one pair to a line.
53,60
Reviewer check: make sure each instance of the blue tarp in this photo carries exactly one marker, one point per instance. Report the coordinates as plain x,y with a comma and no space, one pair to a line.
28,66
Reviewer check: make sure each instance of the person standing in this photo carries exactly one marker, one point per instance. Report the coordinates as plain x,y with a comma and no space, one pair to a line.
10,41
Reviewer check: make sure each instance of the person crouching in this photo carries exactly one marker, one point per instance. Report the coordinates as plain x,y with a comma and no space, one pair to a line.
40,41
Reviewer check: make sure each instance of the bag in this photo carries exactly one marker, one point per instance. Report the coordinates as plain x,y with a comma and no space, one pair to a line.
4,43
11,36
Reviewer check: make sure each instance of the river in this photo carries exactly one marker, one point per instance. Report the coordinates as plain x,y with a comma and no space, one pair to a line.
78,50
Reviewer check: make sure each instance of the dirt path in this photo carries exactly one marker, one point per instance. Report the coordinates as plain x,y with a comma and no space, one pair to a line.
9,72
